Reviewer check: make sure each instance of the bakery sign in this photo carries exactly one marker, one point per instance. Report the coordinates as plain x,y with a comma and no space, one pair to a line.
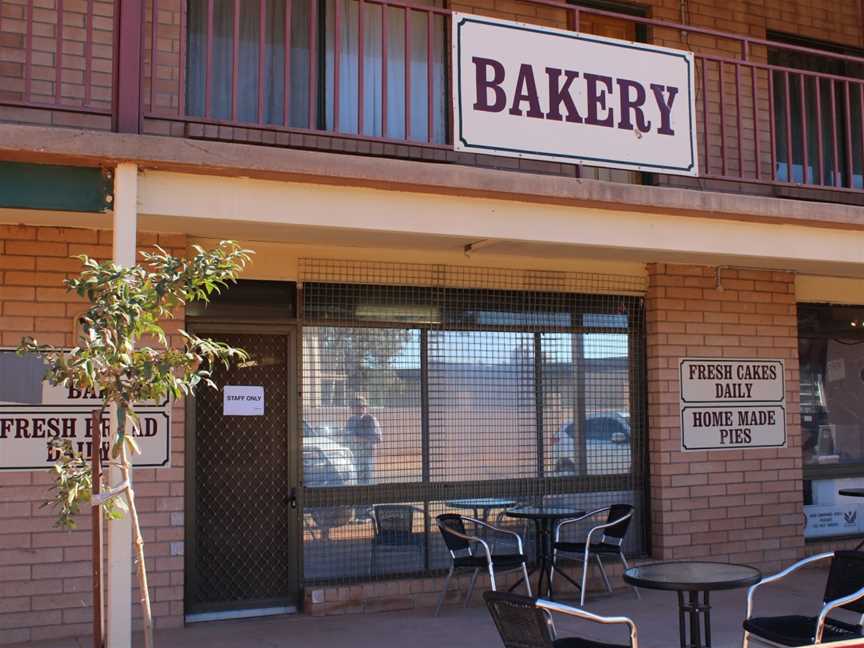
34,413
732,404
534,92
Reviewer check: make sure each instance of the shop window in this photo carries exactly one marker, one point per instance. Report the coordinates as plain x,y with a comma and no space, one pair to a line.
475,393
816,134
308,42
831,353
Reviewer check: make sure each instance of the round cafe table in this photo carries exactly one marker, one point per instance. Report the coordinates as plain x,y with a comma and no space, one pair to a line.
693,578
481,505
544,518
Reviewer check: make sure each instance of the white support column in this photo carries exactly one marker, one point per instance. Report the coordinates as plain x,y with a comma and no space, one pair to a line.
119,572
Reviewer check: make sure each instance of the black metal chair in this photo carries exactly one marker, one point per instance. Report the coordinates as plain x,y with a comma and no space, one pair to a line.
472,552
843,589
524,622
394,527
610,544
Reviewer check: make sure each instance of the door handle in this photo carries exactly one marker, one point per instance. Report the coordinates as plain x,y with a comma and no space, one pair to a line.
292,498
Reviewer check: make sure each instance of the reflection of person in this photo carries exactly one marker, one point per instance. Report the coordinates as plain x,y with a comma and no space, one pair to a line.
365,434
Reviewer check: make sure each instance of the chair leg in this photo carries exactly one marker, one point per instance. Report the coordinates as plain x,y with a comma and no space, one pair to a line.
603,573
444,591
584,579
552,569
528,581
471,586
492,577
745,643
626,566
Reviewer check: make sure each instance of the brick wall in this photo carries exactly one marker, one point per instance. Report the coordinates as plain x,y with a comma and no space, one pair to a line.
84,52
741,505
45,572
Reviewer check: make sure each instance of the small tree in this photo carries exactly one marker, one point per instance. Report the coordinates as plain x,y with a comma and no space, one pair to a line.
125,356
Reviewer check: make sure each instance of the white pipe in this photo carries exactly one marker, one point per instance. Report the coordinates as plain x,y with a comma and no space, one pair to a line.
119,568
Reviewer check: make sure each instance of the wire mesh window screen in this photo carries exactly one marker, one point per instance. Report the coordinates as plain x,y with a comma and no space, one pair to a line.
432,389
482,407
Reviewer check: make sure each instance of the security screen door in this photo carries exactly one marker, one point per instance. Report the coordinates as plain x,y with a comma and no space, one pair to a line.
241,547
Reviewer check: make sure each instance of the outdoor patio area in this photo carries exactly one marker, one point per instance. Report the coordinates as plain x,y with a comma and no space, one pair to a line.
655,615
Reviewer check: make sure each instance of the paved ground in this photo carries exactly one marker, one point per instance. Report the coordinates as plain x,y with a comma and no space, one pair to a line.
655,616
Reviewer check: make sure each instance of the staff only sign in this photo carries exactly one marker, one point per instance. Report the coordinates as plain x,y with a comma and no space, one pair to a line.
33,413
732,404
547,94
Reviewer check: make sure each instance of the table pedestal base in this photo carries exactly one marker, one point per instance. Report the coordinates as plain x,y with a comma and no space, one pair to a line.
698,613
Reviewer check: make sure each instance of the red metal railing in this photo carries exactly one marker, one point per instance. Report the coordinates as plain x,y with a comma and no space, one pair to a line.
365,69
58,57
376,71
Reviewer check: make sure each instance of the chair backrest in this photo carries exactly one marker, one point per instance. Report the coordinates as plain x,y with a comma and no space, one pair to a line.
394,524
616,512
520,622
845,577
452,521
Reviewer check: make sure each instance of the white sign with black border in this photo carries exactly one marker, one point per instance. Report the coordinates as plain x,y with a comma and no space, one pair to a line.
732,404
527,91
33,413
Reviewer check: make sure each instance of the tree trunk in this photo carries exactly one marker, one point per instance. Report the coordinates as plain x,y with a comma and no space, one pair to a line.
143,589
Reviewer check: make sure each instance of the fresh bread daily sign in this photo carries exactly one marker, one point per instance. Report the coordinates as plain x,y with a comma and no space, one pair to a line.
548,94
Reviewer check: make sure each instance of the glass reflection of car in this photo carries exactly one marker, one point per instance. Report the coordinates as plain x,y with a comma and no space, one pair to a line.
327,463
607,445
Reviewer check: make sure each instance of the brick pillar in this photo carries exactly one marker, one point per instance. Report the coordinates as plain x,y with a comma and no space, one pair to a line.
731,505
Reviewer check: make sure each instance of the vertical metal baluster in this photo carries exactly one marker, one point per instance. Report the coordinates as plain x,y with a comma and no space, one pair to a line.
208,73
430,82
755,92
286,83
861,125
58,56
407,70
235,61
182,74
836,152
849,168
384,90
788,111
773,132
722,122
739,120
262,43
88,54
337,60
804,136
361,64
28,53
820,144
705,115
313,64
154,25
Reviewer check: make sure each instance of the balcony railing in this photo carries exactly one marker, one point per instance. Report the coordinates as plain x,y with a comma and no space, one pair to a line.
376,71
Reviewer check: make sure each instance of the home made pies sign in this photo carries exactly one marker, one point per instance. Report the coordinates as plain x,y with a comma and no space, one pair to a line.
732,404
548,94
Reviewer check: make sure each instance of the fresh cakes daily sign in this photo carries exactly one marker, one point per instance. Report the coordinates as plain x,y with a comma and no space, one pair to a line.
548,94
731,404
